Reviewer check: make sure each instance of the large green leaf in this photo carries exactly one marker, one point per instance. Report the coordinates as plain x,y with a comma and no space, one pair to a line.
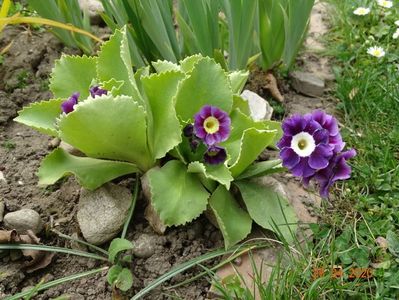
261,169
267,208
73,74
219,173
238,80
164,130
253,142
177,196
239,123
109,127
165,66
90,172
234,222
114,63
41,116
206,84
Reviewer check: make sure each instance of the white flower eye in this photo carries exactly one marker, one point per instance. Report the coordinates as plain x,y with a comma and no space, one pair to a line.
303,144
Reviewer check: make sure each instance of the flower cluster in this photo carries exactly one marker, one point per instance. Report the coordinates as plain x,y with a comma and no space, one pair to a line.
311,148
211,126
69,105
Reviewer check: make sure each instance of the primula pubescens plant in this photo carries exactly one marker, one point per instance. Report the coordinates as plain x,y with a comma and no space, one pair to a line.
185,128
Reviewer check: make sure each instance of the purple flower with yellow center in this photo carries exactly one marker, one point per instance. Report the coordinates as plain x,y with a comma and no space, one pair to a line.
329,123
337,169
215,155
97,91
304,147
68,105
212,125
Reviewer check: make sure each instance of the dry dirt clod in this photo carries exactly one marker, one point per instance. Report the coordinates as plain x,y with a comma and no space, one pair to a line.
23,220
144,245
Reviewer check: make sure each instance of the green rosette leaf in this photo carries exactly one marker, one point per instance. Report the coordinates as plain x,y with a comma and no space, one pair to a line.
73,74
177,196
268,209
207,84
233,221
90,172
219,173
238,80
165,66
253,142
41,116
164,127
114,63
109,127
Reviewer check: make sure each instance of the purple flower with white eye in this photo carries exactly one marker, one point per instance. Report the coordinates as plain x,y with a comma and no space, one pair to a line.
215,155
212,125
329,123
337,169
304,147
97,91
68,105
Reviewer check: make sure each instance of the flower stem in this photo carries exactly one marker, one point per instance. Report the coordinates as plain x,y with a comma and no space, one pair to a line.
131,209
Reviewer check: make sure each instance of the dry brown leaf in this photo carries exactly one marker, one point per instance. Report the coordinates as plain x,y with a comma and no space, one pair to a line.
36,259
271,85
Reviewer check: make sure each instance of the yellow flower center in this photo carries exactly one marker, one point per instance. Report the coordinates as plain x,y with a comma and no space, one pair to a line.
211,125
302,144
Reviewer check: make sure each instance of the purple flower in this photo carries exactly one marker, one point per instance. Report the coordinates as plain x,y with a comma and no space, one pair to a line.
68,105
304,147
97,91
337,169
215,155
212,125
329,123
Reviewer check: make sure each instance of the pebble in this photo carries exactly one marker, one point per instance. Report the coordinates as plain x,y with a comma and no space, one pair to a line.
259,108
307,83
23,220
102,212
144,245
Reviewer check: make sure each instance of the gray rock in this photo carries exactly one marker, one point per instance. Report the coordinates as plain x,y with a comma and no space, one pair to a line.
2,207
102,213
144,246
260,109
307,84
23,220
94,8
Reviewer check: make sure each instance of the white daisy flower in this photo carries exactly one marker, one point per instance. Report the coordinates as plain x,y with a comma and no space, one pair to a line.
396,34
385,3
376,51
397,23
361,11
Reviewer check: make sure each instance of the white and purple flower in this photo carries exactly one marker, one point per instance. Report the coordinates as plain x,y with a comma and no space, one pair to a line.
311,148
212,125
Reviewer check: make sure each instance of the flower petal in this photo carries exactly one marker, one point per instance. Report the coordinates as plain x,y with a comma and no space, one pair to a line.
319,159
289,157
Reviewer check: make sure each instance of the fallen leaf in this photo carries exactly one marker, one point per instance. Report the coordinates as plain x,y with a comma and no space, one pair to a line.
271,85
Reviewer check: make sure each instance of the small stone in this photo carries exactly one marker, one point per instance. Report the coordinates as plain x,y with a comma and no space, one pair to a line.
260,109
23,220
145,245
94,8
2,207
2,178
307,84
102,212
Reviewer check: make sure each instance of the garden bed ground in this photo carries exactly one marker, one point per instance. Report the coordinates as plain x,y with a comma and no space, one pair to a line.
24,79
